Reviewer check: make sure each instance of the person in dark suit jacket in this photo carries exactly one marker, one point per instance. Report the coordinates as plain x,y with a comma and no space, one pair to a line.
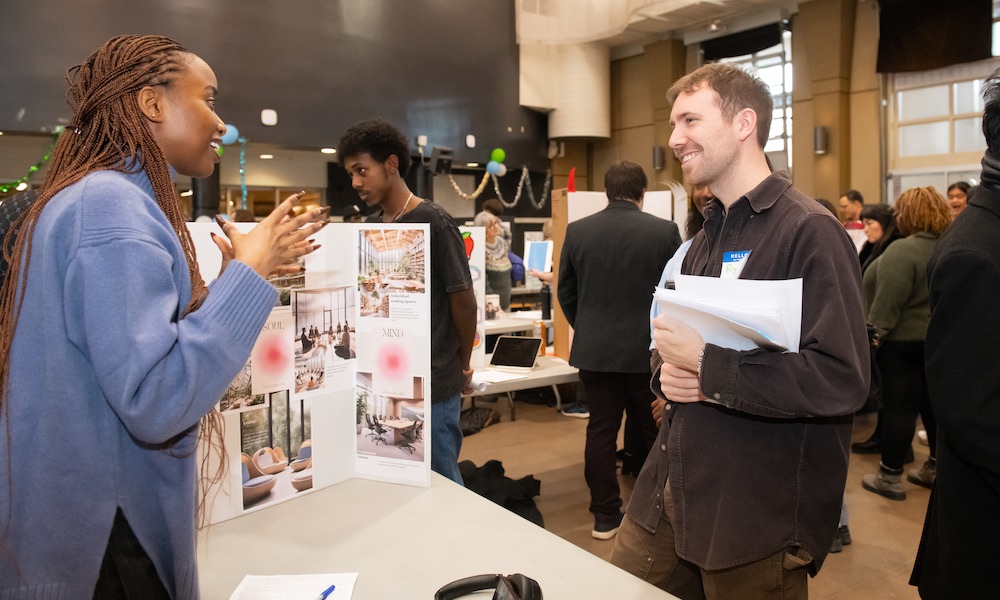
609,265
958,550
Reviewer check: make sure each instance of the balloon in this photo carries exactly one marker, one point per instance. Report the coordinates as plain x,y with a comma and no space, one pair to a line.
498,155
502,170
493,167
219,151
232,134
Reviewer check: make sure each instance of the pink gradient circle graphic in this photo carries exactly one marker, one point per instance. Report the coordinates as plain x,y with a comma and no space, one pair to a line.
273,356
392,361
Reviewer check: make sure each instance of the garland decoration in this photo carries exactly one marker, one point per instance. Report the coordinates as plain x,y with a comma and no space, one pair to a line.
496,168
13,185
525,176
473,195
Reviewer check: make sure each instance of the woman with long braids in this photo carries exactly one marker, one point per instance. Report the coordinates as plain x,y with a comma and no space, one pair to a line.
112,348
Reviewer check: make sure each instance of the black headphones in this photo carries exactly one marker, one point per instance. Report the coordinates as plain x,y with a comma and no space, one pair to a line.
508,587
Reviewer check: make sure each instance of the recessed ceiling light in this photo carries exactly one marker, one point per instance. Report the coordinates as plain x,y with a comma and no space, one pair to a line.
21,186
328,150
472,164
187,193
266,156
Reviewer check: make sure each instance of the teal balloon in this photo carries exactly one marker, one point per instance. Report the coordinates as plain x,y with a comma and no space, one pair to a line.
493,167
232,134
498,155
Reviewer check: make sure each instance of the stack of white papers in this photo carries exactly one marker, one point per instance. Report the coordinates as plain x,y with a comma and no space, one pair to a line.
741,314
296,587
493,376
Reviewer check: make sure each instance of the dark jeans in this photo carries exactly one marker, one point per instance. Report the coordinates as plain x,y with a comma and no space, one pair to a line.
608,396
127,573
904,396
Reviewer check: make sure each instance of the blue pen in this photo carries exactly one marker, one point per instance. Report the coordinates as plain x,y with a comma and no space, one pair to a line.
323,595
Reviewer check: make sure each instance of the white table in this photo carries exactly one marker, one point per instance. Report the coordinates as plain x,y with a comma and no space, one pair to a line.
509,323
405,542
550,371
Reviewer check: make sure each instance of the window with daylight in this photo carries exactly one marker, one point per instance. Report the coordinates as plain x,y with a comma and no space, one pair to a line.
934,129
774,66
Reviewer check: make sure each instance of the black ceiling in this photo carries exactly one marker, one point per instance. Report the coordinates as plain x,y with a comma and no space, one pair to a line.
441,68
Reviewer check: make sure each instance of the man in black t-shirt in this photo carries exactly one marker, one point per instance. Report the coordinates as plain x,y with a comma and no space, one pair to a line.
376,155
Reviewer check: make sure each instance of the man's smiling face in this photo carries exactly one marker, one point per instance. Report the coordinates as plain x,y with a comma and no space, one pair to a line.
702,139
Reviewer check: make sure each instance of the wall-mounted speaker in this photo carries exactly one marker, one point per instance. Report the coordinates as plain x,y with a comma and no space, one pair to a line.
658,158
820,140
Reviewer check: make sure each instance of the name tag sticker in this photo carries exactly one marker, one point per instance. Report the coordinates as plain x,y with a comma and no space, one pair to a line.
733,263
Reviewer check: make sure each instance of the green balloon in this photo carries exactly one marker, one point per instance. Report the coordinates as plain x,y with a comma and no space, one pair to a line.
498,155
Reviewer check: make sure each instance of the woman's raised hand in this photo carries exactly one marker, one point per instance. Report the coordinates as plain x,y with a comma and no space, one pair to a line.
277,242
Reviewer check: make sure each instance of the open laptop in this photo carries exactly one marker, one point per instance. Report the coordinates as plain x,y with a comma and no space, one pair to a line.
516,354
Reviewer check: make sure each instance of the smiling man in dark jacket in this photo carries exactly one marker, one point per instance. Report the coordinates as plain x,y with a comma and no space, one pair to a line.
741,495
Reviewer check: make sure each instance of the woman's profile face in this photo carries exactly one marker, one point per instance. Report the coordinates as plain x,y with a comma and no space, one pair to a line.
957,200
184,123
700,195
873,229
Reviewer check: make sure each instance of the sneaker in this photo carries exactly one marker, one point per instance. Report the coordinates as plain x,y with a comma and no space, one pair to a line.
924,476
844,535
837,545
843,538
922,436
580,411
606,527
885,484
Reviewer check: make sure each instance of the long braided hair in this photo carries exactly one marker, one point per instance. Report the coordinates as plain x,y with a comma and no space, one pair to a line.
108,132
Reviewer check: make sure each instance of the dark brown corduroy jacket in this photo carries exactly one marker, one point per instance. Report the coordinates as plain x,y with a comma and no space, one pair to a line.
762,465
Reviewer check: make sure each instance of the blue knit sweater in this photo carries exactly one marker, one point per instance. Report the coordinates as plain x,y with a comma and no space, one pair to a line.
107,386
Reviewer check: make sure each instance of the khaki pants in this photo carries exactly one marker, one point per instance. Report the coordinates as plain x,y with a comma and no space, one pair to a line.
652,557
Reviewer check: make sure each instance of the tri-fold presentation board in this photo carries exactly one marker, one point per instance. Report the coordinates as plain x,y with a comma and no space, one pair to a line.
338,383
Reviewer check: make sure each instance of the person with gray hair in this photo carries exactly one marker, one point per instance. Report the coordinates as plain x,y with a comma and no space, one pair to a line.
498,264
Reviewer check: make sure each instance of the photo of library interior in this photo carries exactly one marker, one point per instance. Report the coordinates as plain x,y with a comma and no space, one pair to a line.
757,243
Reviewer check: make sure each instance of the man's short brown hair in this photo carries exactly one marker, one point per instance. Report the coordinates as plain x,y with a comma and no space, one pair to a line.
737,89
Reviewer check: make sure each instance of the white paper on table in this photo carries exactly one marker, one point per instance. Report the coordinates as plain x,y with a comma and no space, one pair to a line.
532,315
741,314
295,587
494,376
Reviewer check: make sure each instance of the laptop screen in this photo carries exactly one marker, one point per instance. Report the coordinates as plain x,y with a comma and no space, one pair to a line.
516,351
